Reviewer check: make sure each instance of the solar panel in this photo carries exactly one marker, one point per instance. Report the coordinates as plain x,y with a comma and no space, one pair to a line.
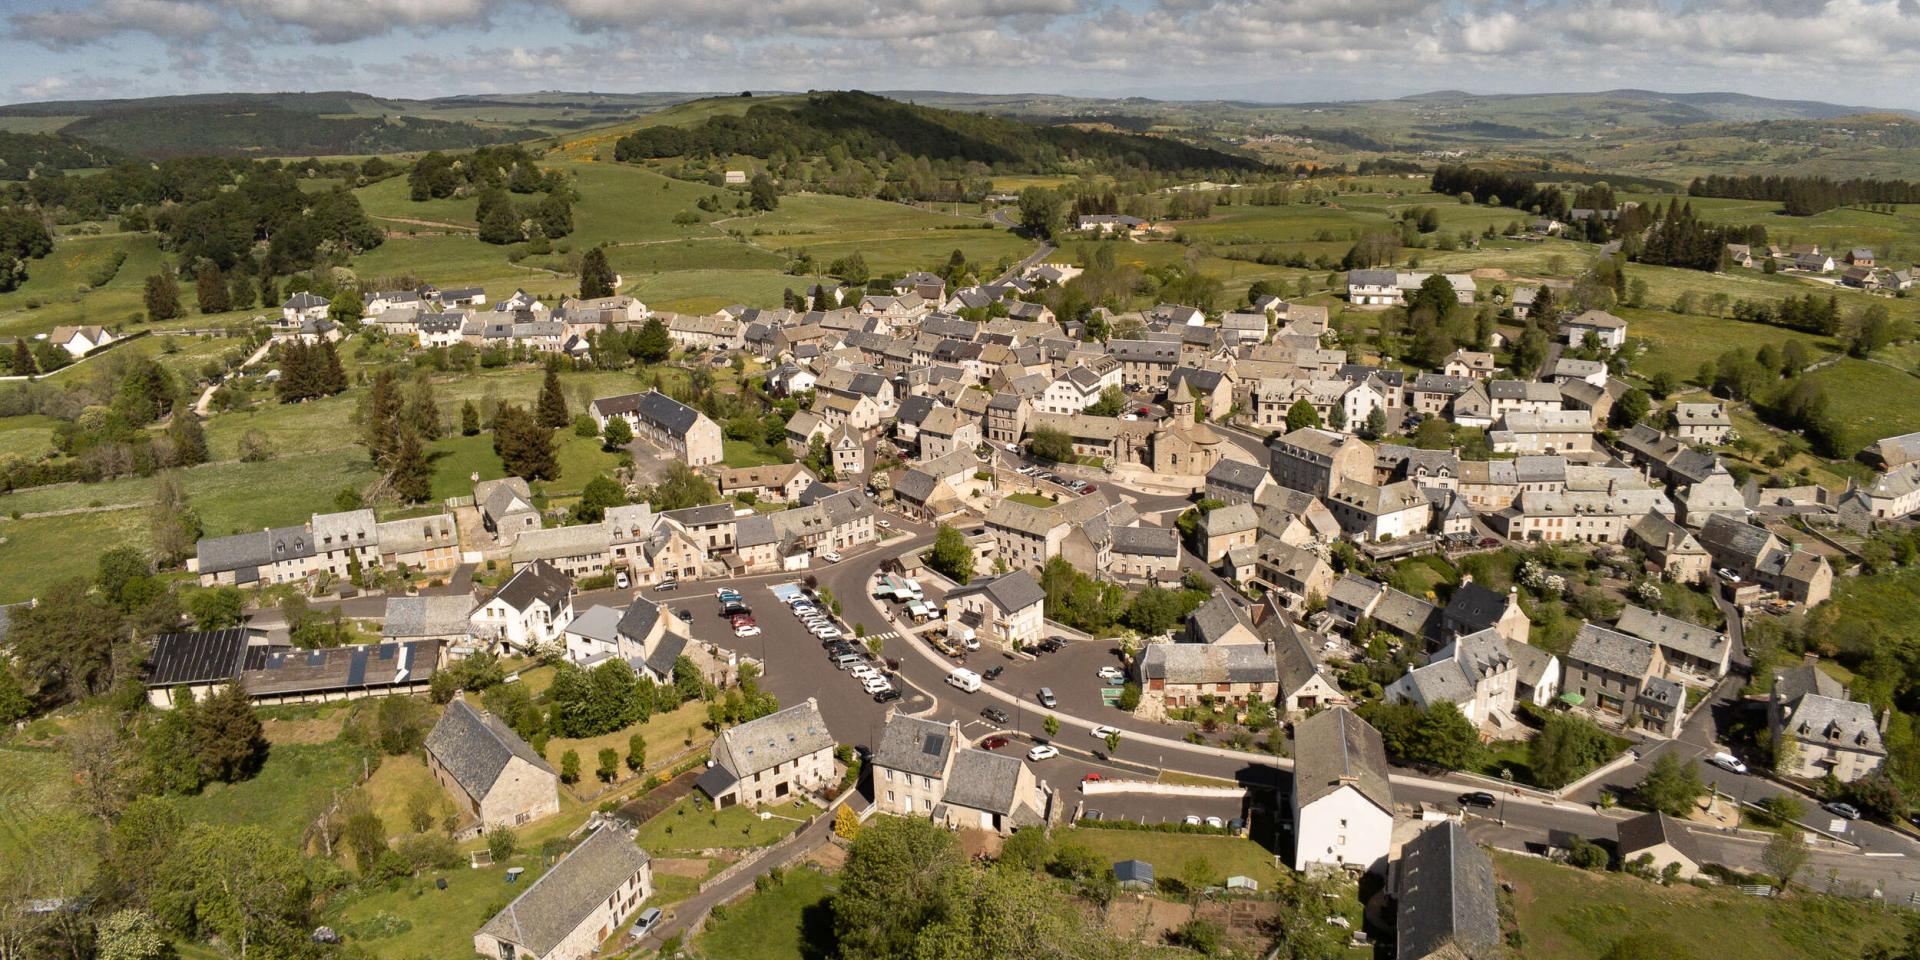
357,670
934,745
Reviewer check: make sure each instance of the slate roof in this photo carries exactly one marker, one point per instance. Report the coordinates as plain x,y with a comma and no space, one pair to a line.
1446,896
1335,748
1208,663
437,616
1476,607
597,623
776,738
1145,541
916,746
1690,639
1652,829
1237,474
665,654
473,746
639,619
538,581
1010,592
983,780
208,656
1844,723
567,895
1611,650
1213,619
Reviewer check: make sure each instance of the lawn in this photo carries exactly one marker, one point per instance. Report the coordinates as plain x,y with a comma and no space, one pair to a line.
32,785
57,291
456,459
412,918
1229,856
693,825
791,921
667,735
1030,499
1680,343
1571,914
397,781
1871,401
295,786
746,453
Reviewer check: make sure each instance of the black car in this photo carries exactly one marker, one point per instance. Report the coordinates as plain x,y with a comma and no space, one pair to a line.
1478,798
994,714
993,673
685,615
1053,645
733,608
888,695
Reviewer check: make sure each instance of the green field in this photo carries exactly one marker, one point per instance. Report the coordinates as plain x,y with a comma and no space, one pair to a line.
683,827
32,786
412,918
1571,914
294,787
1228,856
57,291
1870,400
791,921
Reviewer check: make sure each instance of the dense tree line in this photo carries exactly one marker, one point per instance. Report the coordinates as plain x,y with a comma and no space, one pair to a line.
24,156
495,175
1679,238
171,129
1507,189
309,371
1805,196
862,125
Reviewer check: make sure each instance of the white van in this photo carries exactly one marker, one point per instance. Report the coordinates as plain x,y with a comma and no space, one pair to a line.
964,679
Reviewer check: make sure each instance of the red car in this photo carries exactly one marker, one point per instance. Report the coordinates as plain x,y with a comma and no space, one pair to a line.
1091,777
994,743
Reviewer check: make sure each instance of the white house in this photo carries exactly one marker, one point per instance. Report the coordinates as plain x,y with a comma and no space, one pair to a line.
303,307
1342,801
530,610
1005,609
1611,330
80,341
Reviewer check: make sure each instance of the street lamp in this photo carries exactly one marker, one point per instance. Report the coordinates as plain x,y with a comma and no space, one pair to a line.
1506,773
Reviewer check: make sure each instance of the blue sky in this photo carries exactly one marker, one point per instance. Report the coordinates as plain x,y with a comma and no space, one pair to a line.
1864,52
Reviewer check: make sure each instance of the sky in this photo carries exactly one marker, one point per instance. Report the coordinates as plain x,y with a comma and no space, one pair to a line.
1855,52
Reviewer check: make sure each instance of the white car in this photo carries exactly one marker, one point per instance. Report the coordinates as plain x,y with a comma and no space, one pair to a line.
1191,820
746,631
863,672
1727,761
1045,751
1103,732
1112,673
875,685
1013,448
830,557
883,522
1028,470
620,580
1216,823
828,633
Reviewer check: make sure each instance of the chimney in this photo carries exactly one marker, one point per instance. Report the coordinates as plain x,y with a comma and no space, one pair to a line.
1466,579
1809,659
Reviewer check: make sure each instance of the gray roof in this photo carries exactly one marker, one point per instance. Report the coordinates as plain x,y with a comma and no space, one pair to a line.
1230,519
1209,663
1010,592
1336,748
1790,685
1842,723
665,654
916,746
537,581
1237,474
437,616
1441,681
1146,541
1651,830
208,656
1213,619
1725,536
984,781
1690,639
1611,650
639,619
776,738
474,746
566,896
1476,607
597,623
1446,895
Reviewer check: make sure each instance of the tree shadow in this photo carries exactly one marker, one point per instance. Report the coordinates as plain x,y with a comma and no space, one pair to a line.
817,939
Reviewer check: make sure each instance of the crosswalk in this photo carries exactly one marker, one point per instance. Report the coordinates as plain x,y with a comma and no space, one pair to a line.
889,635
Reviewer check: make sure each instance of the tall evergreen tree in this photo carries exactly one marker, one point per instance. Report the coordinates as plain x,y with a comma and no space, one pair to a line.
596,275
231,742
524,446
210,289
23,365
654,343
412,475
552,409
162,297
469,420
189,439
381,418
332,377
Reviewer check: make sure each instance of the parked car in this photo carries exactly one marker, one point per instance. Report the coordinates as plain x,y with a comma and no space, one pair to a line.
1103,731
993,672
1045,751
883,523
1216,823
1047,698
1478,798
726,593
994,743
1092,778
830,557
995,715
1845,811
1028,470
649,918
876,684
1727,761
748,630
1489,542
620,580
863,672
1191,820
888,695
668,583
685,615
1112,673
1052,645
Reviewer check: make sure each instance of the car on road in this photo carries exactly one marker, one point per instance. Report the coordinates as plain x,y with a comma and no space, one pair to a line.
1191,820
649,918
620,580
994,743
995,715
1845,811
1046,698
1045,751
668,583
1478,798
1092,778
1489,542
1112,673
830,557
726,593
747,630
993,672
1013,448
883,523
1084,488
1052,645
1103,731
1216,823
685,615
888,695
1727,761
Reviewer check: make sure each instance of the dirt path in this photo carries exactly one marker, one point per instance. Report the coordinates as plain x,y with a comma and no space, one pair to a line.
441,224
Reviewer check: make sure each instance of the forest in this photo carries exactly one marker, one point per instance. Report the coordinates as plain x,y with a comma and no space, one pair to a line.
1805,196
26,155
253,128
1502,189
864,125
